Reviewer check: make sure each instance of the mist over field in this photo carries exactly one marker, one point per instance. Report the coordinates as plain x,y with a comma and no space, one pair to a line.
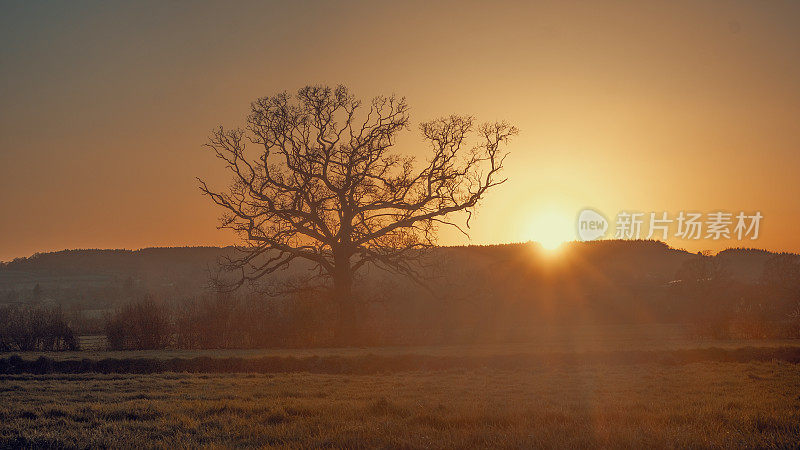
479,294
607,344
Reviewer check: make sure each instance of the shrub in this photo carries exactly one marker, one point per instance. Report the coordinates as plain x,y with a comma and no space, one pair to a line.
142,325
34,328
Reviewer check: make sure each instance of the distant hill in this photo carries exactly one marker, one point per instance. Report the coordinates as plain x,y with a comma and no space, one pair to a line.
68,263
99,276
164,267
510,284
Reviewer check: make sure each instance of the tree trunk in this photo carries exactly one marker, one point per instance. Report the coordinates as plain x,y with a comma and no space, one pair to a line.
346,330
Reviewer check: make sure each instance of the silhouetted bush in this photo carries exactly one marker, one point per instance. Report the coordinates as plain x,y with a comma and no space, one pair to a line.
142,325
34,328
240,321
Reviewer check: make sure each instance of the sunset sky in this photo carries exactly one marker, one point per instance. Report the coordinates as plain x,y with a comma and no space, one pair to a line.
638,106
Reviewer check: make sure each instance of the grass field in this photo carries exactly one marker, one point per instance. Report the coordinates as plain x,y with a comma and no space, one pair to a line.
644,405
590,388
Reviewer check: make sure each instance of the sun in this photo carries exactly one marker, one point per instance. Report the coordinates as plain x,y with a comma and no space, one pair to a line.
551,228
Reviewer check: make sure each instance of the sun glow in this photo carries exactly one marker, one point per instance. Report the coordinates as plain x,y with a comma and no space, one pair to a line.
552,228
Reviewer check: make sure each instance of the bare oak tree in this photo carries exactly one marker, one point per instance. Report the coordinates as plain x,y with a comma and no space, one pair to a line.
325,186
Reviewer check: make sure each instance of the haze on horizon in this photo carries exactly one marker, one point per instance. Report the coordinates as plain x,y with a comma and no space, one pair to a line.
656,106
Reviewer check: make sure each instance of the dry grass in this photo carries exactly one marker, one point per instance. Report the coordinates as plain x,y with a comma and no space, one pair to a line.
708,404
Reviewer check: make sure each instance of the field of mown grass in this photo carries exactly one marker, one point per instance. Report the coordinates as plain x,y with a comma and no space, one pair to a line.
581,387
706,404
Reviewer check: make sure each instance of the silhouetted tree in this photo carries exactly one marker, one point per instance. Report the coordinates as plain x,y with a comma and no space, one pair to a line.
325,186
142,325
29,328
704,269
706,286
780,283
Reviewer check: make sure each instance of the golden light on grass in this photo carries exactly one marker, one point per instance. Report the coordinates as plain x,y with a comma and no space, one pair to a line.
551,228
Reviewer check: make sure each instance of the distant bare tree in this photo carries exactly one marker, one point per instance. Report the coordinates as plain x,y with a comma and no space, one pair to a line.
140,325
325,185
34,328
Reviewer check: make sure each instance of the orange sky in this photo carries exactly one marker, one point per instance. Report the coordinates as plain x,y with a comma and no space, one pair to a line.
648,106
